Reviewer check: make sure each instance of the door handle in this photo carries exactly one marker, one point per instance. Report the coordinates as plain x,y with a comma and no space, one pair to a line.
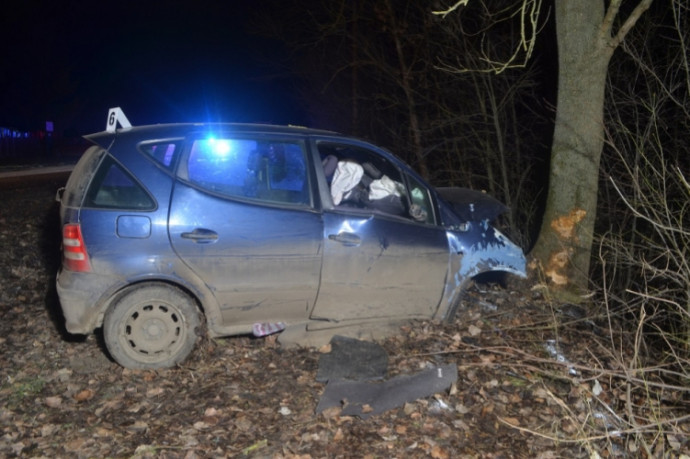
201,235
347,239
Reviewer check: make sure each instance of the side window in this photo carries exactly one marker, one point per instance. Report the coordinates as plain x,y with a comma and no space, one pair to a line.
163,152
271,171
421,208
114,188
360,178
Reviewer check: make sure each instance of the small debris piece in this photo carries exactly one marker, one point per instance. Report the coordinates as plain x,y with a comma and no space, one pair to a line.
138,427
267,328
474,330
86,394
596,388
256,446
53,402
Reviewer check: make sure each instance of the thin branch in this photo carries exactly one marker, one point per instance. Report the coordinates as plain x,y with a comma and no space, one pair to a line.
457,5
630,22
529,12
681,41
611,13
637,213
650,427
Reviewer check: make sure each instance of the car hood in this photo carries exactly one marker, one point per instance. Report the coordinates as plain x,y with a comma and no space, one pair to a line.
471,205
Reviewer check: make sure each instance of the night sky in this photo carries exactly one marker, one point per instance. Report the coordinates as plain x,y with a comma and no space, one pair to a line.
161,61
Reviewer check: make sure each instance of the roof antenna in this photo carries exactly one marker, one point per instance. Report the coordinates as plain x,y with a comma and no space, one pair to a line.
115,116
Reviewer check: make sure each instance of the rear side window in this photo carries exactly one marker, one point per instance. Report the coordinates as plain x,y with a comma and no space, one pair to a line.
271,171
161,152
114,188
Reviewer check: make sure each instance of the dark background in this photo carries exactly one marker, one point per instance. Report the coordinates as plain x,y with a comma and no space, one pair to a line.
161,61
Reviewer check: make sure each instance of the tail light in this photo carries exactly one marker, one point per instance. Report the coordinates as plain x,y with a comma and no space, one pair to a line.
74,255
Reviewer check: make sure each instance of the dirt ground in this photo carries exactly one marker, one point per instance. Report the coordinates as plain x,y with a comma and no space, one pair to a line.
535,380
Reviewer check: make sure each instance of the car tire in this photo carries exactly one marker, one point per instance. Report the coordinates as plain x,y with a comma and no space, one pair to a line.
151,326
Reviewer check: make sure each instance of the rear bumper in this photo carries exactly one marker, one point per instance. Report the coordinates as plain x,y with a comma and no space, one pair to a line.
81,298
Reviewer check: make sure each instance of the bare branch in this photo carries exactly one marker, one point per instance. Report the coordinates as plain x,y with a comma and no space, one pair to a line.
637,213
676,7
630,22
529,12
611,13
457,5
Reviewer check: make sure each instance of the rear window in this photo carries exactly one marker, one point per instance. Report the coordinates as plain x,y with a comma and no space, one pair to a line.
81,176
114,188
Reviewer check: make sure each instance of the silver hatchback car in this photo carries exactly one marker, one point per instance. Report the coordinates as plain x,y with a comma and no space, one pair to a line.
172,231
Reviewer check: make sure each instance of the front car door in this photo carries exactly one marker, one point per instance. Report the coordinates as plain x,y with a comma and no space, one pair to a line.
379,261
242,217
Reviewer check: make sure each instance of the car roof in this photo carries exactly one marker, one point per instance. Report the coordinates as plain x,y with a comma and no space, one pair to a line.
162,131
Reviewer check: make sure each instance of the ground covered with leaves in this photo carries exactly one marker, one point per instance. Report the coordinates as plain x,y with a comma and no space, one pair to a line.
535,380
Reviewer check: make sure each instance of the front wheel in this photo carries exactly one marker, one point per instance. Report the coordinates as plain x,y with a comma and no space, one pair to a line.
151,326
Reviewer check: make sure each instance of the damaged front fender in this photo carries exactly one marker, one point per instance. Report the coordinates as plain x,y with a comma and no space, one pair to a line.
480,249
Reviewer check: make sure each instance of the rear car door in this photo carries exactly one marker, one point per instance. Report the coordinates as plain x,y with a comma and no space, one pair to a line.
241,216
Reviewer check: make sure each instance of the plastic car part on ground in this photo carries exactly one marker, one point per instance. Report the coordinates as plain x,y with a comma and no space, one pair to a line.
364,397
352,359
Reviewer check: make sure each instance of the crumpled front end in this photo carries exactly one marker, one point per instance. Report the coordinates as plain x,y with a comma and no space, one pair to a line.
480,249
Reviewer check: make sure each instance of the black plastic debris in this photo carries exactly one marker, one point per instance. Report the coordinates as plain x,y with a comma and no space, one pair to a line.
352,359
353,370
364,399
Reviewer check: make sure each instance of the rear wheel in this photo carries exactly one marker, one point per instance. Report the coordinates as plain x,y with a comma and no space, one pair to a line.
151,326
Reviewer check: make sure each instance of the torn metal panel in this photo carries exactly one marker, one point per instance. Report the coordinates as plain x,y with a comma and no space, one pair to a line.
365,399
492,252
480,248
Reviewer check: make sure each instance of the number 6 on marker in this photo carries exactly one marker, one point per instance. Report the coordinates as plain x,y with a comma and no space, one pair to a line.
115,116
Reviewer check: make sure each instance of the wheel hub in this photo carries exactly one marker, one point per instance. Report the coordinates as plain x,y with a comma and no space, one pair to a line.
154,329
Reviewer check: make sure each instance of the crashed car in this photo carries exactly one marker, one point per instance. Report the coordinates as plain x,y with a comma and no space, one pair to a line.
175,231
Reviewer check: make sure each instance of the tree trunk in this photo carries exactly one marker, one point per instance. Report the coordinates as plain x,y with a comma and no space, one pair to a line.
584,51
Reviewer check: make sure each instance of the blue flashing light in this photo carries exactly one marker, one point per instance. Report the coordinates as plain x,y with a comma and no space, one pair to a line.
219,147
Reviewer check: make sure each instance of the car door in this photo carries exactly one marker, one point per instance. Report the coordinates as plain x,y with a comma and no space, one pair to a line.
242,218
376,264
